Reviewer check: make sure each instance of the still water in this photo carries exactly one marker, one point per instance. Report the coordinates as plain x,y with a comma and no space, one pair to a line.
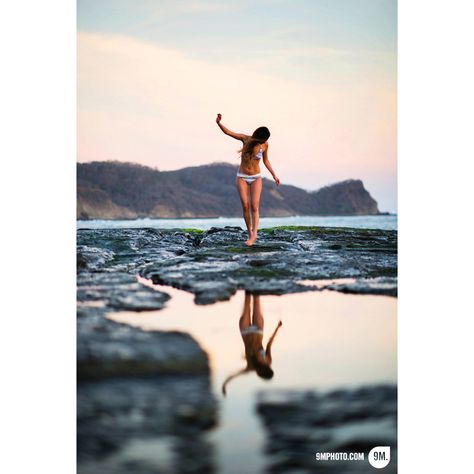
326,340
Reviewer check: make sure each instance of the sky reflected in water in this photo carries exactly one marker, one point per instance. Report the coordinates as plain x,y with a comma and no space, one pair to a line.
327,340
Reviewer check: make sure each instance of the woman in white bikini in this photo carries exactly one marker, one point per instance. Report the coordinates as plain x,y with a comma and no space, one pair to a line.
251,329
249,178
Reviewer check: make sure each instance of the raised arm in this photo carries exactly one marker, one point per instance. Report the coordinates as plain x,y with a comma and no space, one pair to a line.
266,162
237,136
270,341
228,379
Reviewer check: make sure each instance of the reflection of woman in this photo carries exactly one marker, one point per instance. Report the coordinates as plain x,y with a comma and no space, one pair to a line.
251,329
249,178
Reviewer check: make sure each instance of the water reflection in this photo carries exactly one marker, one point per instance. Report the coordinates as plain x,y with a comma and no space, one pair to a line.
251,325
334,382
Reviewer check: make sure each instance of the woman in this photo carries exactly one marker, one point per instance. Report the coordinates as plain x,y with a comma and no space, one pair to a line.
249,178
251,329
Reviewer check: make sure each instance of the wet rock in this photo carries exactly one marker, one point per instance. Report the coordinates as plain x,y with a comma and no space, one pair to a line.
138,426
137,298
208,292
136,387
109,349
92,258
118,291
273,286
215,263
218,235
193,454
300,423
375,286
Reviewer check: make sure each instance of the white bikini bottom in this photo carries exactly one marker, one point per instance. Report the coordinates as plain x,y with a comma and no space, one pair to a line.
249,178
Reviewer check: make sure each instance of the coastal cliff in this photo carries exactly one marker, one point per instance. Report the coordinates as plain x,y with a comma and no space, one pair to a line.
114,190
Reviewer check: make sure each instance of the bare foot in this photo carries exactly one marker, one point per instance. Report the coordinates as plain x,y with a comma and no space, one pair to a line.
250,233
252,240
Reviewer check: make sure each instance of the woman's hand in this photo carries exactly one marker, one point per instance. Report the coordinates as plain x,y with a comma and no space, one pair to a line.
219,118
277,180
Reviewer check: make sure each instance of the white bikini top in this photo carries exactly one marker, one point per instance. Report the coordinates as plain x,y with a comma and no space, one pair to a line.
252,329
259,154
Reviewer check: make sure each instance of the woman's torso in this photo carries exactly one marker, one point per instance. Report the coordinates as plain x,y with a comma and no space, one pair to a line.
252,343
251,165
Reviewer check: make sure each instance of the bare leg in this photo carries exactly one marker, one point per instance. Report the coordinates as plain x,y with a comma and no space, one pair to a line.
243,189
255,192
257,316
244,320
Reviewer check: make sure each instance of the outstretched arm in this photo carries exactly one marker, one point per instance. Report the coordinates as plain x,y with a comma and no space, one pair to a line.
270,341
266,162
237,136
228,379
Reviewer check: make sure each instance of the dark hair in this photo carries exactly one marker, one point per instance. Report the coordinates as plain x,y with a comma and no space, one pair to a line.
264,371
261,133
259,136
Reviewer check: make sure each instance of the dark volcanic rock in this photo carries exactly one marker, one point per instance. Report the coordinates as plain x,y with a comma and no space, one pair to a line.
109,349
300,423
107,267
113,413
374,286
215,263
119,291
136,387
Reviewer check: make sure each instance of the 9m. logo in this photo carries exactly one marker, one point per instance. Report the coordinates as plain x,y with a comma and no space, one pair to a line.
379,456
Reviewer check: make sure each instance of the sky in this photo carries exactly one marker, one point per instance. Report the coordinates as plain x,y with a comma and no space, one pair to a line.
321,74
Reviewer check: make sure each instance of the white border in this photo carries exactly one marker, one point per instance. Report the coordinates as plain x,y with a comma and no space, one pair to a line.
38,235
435,312
38,104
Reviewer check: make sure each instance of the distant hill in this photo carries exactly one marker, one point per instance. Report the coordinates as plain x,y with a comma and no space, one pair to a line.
115,190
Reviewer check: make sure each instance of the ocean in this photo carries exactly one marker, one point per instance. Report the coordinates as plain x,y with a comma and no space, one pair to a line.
385,222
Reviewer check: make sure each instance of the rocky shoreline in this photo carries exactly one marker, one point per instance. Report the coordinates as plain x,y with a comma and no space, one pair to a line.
134,385
214,264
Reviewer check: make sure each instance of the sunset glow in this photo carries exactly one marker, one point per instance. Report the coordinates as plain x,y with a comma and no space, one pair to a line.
153,75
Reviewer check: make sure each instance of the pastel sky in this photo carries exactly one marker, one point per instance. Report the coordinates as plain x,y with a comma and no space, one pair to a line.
321,74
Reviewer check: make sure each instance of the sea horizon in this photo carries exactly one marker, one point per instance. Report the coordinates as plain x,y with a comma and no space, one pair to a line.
384,221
